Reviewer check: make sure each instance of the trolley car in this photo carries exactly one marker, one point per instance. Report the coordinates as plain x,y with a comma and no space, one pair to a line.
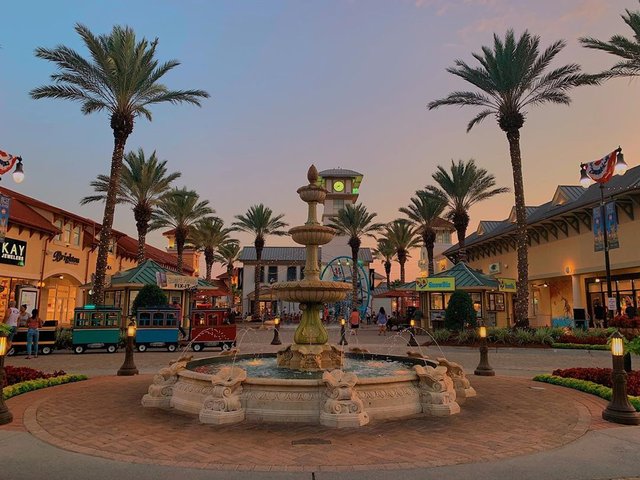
95,328
157,327
46,339
212,327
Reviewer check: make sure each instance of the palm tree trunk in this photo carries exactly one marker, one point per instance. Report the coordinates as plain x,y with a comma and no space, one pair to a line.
428,239
462,251
354,277
256,291
431,267
142,216
120,140
402,258
180,239
230,299
522,295
387,270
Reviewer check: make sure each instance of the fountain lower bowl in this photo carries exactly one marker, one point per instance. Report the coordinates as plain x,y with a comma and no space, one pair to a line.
311,292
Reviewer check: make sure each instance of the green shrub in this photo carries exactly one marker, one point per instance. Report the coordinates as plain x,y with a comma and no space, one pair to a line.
544,336
459,312
584,386
580,346
498,335
468,335
522,336
64,339
5,330
149,296
441,335
30,385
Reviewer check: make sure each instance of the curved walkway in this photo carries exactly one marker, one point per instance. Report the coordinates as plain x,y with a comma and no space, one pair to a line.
103,417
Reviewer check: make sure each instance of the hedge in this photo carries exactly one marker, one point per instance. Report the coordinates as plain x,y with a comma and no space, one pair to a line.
30,385
580,346
584,386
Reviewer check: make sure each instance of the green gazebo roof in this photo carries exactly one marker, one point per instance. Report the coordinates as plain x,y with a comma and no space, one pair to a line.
466,277
145,274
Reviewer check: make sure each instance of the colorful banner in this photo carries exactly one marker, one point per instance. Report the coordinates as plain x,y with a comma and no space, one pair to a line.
602,170
611,222
5,202
598,230
7,161
507,285
440,284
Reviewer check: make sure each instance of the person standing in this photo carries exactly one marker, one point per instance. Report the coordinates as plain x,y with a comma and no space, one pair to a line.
11,315
382,320
23,316
34,324
354,321
598,314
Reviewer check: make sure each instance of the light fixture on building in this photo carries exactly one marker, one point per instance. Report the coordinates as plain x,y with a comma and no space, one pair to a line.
545,284
597,280
61,277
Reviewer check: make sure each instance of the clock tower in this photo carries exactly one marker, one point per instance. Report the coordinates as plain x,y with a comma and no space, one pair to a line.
343,186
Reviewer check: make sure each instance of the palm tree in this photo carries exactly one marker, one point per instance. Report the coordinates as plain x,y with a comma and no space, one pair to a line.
623,47
227,254
180,209
259,221
385,252
143,182
424,211
512,77
464,187
122,77
355,222
403,237
208,234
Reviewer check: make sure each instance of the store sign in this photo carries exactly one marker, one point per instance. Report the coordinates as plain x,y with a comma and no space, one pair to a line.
13,252
59,256
507,285
440,284
171,281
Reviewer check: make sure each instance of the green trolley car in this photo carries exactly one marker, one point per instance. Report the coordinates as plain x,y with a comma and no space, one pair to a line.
95,328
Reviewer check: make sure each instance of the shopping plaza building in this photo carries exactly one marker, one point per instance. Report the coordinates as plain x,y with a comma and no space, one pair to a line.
49,254
567,273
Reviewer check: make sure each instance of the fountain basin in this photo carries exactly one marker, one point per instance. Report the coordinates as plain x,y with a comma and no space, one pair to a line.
312,234
302,400
311,291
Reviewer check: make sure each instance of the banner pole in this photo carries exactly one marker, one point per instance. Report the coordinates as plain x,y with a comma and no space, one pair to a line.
607,264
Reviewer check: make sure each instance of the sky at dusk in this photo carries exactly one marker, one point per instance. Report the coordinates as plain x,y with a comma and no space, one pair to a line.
340,83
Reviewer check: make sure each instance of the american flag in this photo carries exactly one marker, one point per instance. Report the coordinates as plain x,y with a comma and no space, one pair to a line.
602,170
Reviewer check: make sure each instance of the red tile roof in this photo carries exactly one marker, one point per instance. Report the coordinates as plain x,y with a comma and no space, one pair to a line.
23,216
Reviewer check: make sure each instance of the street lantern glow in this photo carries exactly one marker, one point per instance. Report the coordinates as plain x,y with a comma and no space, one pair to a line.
276,321
342,321
483,331
3,346
585,181
131,329
18,174
621,165
412,323
617,346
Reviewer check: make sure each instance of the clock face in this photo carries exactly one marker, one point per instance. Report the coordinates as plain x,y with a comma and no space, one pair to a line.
338,186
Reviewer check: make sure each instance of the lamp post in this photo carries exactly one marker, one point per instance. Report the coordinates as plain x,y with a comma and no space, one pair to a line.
483,368
412,334
343,337
128,367
276,332
601,171
7,161
619,410
5,414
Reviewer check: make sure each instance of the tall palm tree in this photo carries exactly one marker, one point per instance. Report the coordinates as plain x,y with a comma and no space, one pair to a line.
403,237
121,77
355,222
464,187
227,254
626,48
180,209
385,252
512,77
208,234
260,221
424,211
144,181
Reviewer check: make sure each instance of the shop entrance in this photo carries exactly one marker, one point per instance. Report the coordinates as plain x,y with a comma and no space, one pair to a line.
60,292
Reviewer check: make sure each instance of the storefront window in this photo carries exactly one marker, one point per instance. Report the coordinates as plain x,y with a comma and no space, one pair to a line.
58,223
76,235
496,302
61,300
291,274
273,274
66,238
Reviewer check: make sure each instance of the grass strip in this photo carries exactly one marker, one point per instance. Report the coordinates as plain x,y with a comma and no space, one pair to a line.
38,383
579,346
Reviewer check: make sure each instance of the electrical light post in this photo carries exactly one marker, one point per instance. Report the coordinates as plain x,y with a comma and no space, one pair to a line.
128,367
412,334
7,162
343,337
484,369
5,414
276,332
619,410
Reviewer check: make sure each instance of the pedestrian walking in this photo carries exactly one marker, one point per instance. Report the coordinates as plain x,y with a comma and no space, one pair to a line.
382,320
34,324
11,315
354,321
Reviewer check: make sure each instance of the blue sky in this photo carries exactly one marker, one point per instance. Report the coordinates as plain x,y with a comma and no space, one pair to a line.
336,83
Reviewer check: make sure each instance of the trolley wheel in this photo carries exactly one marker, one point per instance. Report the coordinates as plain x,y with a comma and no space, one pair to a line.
226,346
78,349
112,349
197,347
142,347
172,347
46,350
11,352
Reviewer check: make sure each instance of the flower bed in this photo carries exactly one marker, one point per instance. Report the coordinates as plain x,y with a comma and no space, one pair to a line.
22,374
601,376
584,386
30,385
582,340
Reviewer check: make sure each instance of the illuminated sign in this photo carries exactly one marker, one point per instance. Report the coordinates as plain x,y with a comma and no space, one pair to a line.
506,285
13,252
440,284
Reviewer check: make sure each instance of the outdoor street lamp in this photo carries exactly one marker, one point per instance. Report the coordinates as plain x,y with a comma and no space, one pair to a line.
5,414
128,367
412,334
619,410
483,368
343,337
601,171
276,333
7,161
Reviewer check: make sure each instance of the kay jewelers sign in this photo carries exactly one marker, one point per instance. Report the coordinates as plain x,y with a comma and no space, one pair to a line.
440,284
13,252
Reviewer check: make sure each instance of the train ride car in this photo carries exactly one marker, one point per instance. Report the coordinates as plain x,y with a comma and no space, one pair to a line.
96,327
46,339
157,327
212,327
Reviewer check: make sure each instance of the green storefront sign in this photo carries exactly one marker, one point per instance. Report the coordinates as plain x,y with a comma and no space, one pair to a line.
506,284
440,284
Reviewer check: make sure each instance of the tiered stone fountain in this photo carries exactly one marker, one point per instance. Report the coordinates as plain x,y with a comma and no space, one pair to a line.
310,381
310,350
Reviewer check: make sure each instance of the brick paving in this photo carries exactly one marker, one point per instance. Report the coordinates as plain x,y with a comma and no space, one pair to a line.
103,417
